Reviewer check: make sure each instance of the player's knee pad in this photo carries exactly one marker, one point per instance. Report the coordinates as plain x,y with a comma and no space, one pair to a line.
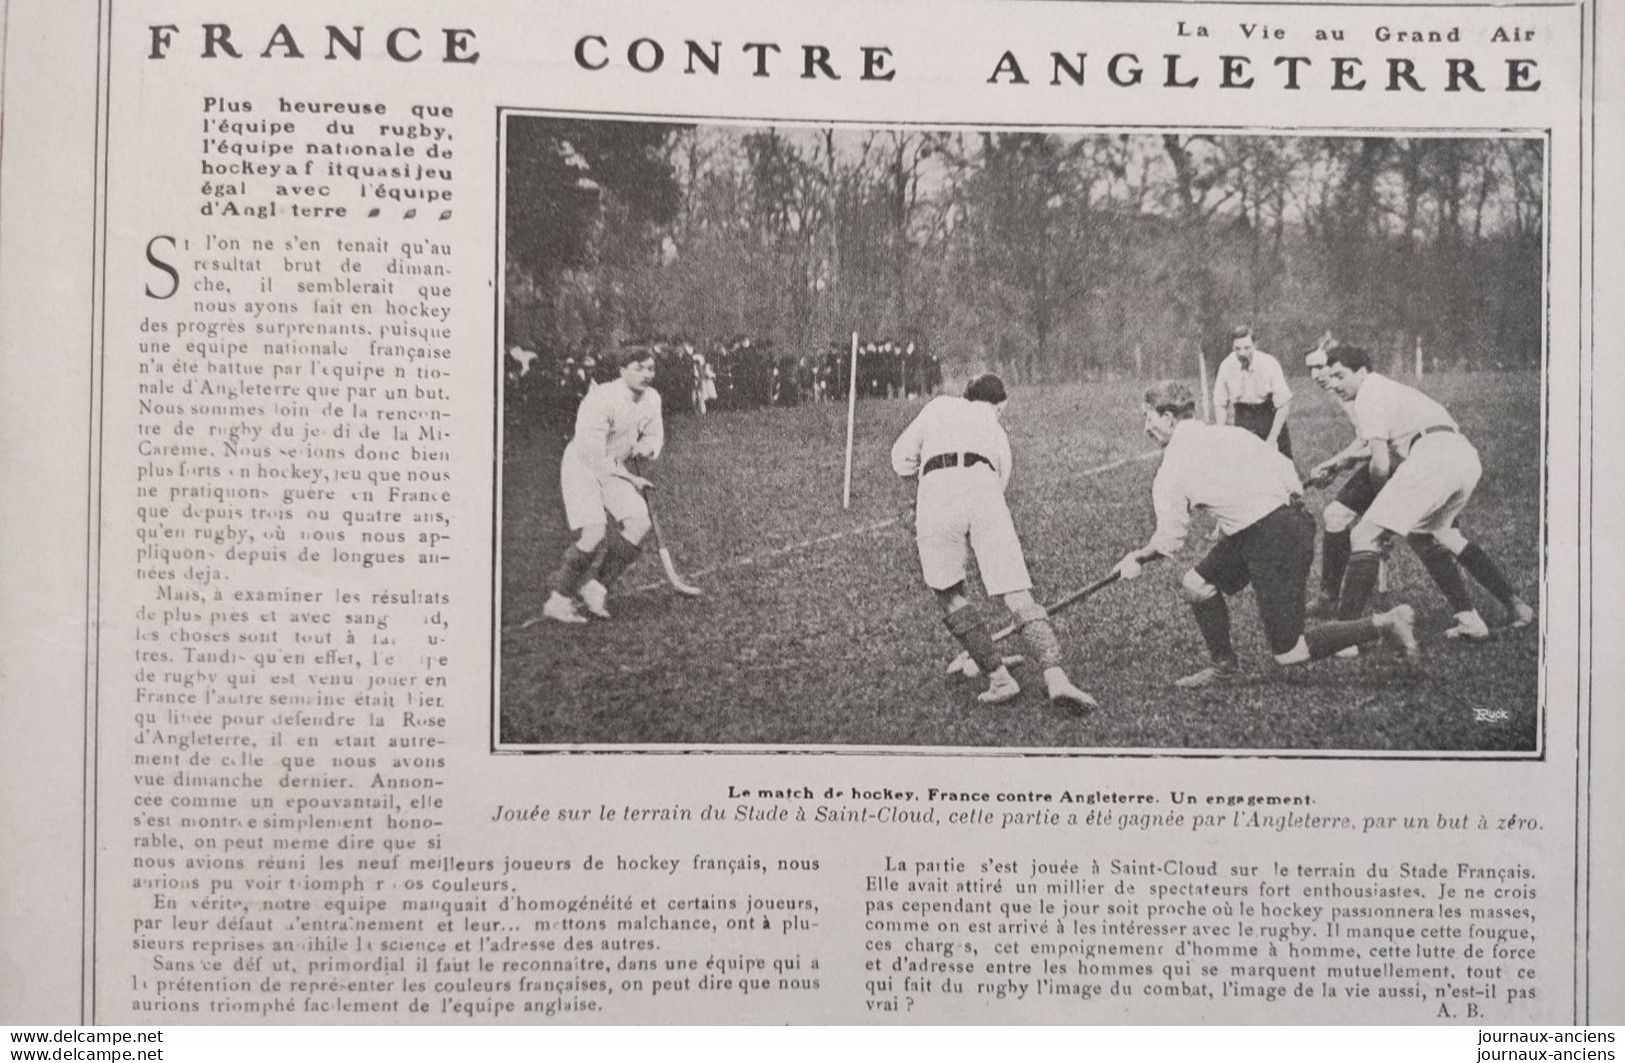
1033,620
1041,639
1193,588
1339,518
963,619
1451,539
1028,613
634,528
1366,537
1296,655
590,538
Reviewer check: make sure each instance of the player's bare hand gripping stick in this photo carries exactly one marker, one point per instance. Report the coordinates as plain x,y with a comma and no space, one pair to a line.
963,663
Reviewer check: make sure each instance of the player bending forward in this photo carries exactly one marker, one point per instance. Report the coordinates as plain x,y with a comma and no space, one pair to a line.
1267,539
1421,499
961,455
1353,498
603,500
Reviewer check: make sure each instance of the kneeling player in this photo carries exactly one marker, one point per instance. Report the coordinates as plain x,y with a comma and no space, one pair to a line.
961,455
1267,539
603,500
1421,499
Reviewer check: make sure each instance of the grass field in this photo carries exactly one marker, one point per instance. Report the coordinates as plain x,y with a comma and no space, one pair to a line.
816,628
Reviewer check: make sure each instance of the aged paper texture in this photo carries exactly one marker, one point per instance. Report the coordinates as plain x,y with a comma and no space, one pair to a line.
908,513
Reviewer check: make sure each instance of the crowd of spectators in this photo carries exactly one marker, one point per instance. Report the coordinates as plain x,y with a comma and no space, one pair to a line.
740,373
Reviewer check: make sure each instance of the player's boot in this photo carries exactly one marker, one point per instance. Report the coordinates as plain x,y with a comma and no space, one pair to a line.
1063,693
1399,624
1523,614
1217,672
964,666
562,610
1469,626
1348,652
595,596
1001,687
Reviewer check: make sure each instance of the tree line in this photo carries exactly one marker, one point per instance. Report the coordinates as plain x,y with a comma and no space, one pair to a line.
1045,256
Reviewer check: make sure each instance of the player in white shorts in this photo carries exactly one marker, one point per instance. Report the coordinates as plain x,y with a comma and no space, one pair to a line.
1421,499
1354,497
961,456
603,500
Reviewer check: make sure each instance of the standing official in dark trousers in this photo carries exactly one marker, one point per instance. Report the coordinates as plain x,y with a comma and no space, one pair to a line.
1251,392
1267,539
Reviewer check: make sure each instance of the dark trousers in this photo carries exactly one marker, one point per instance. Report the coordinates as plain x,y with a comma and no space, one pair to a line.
1358,491
1274,554
1257,417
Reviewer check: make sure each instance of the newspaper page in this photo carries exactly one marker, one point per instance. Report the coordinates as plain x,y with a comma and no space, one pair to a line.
925,512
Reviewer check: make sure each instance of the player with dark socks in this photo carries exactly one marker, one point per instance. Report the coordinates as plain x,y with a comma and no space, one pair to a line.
957,454
1358,584
965,624
1266,541
1488,575
1442,567
1425,471
1334,562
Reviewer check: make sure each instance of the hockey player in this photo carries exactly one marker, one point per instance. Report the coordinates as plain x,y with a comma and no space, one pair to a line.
1421,497
959,451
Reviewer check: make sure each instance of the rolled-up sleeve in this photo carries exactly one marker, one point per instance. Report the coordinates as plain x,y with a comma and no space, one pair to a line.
1005,461
1223,385
1173,510
1369,419
1278,385
592,435
1288,473
652,439
905,453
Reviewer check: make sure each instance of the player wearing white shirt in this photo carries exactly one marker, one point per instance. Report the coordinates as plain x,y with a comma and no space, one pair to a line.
960,454
1425,471
1353,498
603,500
1252,393
1266,538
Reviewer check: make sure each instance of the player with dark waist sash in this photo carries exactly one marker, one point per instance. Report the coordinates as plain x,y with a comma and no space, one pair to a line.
1425,472
951,461
960,455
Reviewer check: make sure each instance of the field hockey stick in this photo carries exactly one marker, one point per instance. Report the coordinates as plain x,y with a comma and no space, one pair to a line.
678,583
1331,473
1324,479
669,567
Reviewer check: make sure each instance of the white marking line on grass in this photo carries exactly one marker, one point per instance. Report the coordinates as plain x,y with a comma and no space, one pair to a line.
867,529
805,544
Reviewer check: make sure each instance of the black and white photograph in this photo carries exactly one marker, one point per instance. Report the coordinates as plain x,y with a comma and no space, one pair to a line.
1044,440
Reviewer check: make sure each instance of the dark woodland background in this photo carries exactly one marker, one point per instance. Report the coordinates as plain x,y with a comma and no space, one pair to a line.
1047,257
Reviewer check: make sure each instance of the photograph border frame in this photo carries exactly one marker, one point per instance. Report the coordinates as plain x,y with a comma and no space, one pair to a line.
1538,753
